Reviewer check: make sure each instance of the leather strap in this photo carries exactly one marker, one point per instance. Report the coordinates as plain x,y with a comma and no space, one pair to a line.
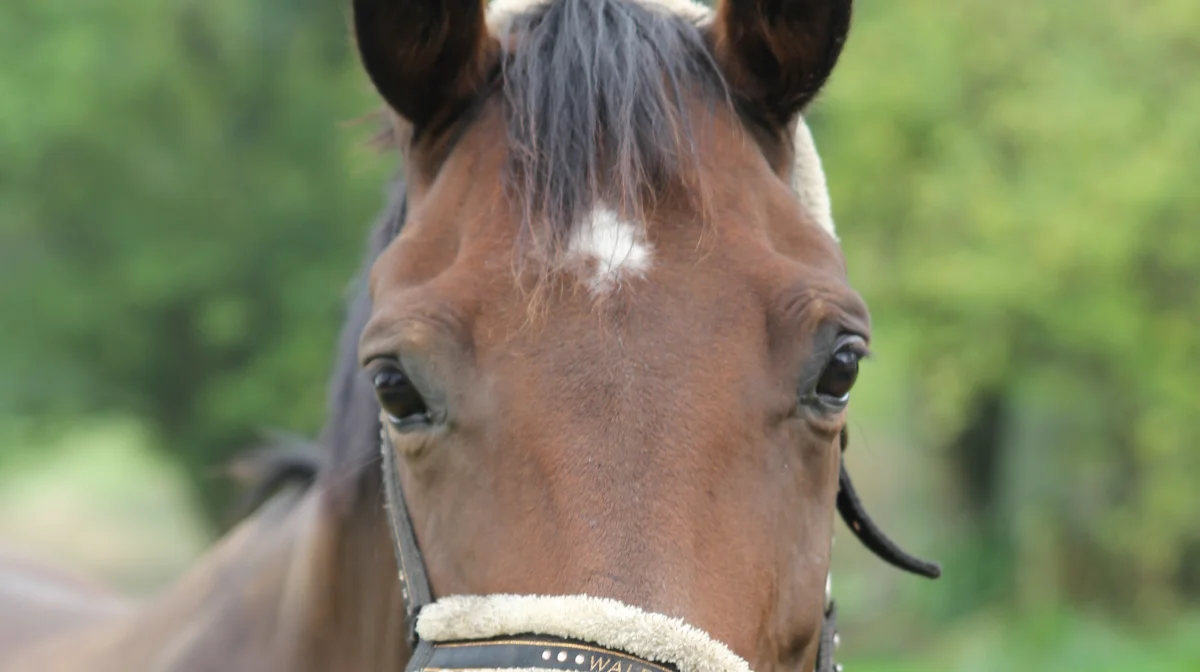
859,521
414,583
856,518
829,641
526,652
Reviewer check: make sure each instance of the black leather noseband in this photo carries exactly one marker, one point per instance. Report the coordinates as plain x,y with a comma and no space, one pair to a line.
539,652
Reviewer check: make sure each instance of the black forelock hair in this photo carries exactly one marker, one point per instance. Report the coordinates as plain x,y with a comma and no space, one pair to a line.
596,97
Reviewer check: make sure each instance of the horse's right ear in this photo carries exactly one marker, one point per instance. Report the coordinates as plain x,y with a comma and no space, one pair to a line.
777,54
425,57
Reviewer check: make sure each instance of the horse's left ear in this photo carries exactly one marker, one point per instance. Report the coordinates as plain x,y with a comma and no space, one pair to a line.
424,56
777,54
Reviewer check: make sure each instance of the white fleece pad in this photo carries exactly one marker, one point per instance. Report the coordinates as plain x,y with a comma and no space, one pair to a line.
608,623
808,176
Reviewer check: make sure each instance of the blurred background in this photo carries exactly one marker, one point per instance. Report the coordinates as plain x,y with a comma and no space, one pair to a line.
184,195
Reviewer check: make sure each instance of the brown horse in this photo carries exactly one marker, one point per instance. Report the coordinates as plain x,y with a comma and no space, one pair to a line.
609,339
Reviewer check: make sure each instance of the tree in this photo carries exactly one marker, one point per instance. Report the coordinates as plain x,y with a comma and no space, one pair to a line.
1013,184
180,211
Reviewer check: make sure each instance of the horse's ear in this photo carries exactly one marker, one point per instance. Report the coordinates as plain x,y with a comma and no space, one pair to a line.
777,54
424,56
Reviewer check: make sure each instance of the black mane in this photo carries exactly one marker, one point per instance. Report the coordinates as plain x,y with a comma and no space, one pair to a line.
352,427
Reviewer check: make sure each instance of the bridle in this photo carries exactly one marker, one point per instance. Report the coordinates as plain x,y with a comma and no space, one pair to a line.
554,653
416,592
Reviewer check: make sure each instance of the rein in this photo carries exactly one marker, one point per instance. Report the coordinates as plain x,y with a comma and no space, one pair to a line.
529,651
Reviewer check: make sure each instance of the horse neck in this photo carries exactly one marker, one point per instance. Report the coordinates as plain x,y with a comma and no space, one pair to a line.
342,597
349,613
238,608
299,586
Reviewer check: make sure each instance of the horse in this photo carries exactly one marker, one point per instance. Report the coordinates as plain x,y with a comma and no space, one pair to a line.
590,397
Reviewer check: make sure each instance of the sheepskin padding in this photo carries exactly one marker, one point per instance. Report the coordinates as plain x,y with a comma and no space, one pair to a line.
808,175
608,623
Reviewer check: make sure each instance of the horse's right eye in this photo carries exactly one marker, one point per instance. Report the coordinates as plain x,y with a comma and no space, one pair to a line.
839,376
832,389
399,397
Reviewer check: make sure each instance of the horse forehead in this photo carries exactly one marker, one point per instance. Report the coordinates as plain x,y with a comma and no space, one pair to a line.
465,248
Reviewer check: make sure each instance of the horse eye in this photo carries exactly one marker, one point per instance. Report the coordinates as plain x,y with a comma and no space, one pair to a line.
839,376
399,397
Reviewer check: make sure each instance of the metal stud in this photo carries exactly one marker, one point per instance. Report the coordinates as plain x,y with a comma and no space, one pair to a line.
579,659
838,668
546,654
837,641
562,656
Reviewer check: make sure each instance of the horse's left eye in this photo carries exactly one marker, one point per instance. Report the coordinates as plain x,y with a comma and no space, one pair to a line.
398,396
839,375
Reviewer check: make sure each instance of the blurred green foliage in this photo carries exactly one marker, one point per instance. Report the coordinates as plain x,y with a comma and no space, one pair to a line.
1014,184
182,204
180,214
1056,642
